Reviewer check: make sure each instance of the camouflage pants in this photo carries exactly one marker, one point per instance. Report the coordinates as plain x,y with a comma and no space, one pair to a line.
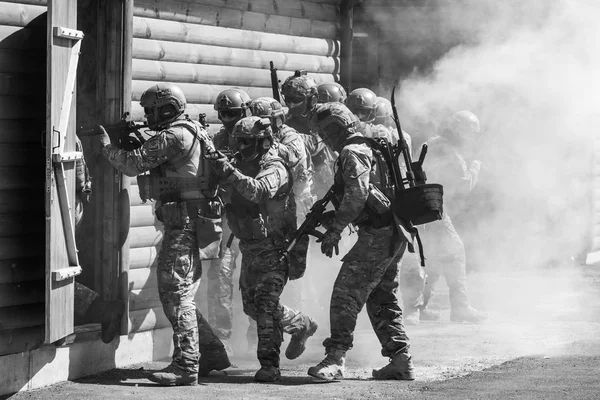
445,255
179,270
220,287
368,276
262,279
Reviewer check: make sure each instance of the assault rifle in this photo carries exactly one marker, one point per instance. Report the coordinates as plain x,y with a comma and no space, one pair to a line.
312,221
275,82
119,133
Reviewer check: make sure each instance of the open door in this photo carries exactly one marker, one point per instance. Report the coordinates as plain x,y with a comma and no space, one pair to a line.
62,265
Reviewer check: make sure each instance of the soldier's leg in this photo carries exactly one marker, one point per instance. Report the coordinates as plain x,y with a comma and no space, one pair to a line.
412,286
178,272
89,308
454,266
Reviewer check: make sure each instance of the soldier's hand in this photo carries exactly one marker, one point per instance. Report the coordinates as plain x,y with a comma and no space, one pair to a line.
222,167
212,154
101,140
329,242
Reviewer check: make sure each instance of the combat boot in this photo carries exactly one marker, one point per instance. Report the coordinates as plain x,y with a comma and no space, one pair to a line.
400,367
331,368
412,316
109,315
429,315
267,374
298,341
213,360
174,376
467,314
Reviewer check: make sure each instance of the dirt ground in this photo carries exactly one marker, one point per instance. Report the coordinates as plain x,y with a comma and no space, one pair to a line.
541,342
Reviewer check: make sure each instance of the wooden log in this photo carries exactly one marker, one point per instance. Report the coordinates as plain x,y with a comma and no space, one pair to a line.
20,247
17,178
22,316
148,319
195,13
42,2
143,299
20,340
19,155
142,215
298,9
198,93
21,270
137,114
17,294
211,74
144,236
19,15
22,62
174,31
17,224
142,257
15,201
134,193
19,85
142,278
191,53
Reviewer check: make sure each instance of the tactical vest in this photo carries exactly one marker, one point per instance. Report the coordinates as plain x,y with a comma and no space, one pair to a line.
187,174
273,218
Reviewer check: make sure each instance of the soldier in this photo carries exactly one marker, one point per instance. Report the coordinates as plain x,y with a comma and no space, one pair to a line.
331,92
364,104
369,270
261,213
300,94
190,211
291,149
452,165
232,105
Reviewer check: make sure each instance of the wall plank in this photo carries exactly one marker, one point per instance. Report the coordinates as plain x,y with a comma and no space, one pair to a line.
229,18
143,278
20,340
17,178
20,107
173,31
163,71
143,299
20,224
141,215
142,257
19,200
21,270
22,316
22,293
21,247
217,55
144,236
15,37
19,15
17,131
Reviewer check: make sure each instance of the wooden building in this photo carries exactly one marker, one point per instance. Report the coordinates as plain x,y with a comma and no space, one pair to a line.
68,63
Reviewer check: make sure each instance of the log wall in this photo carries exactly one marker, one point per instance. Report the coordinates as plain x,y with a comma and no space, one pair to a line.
22,121
205,47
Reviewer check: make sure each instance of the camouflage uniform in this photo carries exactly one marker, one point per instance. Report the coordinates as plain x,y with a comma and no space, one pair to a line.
176,152
261,213
369,273
458,175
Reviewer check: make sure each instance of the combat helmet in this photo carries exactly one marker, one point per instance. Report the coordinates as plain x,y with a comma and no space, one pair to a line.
268,107
361,102
163,103
333,122
331,92
232,105
253,135
299,92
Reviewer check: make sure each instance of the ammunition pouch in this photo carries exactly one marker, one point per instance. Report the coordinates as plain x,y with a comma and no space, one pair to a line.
203,216
152,186
420,204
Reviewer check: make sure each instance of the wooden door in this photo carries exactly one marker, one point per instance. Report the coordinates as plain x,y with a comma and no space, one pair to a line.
62,265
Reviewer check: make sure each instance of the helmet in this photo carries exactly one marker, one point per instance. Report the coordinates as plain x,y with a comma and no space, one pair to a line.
383,112
268,107
467,122
331,92
232,105
361,102
299,92
253,136
163,103
333,122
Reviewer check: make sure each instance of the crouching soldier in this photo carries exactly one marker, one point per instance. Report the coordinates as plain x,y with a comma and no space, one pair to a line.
261,212
369,271
187,205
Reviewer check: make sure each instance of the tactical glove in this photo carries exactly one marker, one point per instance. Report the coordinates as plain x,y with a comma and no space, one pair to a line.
222,167
101,140
329,242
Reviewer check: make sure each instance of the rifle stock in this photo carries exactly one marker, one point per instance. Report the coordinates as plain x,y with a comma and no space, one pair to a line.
119,133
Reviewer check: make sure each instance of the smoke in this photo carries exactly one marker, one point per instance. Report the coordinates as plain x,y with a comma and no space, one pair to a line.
529,70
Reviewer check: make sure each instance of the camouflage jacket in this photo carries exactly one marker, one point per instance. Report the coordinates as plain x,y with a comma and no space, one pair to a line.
291,148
